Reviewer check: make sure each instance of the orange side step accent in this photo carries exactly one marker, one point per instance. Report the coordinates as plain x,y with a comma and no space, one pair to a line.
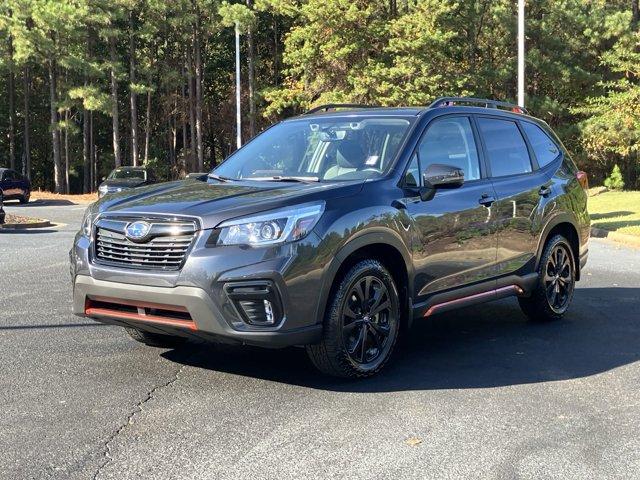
434,308
138,317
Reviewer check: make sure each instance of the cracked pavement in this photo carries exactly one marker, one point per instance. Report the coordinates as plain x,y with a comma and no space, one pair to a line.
484,393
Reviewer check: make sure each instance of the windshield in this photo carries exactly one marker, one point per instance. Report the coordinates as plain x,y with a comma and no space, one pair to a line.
125,173
332,149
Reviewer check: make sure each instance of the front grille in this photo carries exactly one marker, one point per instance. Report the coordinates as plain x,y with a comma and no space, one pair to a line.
165,249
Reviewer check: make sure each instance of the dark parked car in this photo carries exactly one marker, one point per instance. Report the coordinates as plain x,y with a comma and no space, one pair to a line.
124,178
14,186
337,229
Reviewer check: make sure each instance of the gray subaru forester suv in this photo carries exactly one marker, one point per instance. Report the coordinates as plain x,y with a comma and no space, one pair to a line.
337,229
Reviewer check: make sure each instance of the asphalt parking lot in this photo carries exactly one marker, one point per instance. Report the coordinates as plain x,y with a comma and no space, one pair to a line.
479,393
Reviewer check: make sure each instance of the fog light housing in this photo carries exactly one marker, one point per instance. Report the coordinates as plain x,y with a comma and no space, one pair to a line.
257,303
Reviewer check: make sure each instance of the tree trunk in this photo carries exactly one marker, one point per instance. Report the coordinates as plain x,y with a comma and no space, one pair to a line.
55,133
12,108
114,99
251,77
67,189
147,128
133,96
86,152
26,164
635,13
198,66
192,112
92,154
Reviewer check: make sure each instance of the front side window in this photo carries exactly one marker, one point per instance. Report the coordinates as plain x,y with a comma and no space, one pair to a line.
449,141
331,149
545,149
506,150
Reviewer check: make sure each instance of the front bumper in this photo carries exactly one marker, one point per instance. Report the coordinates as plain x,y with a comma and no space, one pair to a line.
179,310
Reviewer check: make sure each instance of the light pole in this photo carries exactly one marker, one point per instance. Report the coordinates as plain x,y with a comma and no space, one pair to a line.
521,53
238,113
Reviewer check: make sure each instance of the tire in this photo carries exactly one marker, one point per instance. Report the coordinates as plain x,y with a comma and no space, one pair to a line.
154,339
25,197
556,284
361,323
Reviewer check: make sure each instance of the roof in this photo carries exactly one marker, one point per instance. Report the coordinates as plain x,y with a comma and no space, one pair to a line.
469,104
362,111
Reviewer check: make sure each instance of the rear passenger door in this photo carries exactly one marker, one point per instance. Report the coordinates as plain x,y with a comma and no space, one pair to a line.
521,189
454,241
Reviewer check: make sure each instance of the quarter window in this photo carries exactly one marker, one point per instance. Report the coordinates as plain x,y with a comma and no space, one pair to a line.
506,149
449,141
412,175
545,149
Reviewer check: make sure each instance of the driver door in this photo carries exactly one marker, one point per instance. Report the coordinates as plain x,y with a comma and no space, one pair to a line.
454,237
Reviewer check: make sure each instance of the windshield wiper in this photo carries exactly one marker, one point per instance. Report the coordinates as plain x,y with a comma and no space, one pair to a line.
220,178
279,178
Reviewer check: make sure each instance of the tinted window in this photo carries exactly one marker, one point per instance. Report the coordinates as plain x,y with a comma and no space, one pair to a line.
449,141
8,175
506,149
545,149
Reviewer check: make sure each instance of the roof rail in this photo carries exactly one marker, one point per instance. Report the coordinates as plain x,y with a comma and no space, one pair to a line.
487,103
334,106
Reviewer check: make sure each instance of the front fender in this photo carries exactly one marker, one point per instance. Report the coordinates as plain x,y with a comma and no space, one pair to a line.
373,227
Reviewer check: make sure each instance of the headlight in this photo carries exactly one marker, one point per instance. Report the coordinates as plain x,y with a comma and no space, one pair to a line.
87,222
277,226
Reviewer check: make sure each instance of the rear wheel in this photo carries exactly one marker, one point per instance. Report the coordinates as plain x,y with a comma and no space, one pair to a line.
154,339
556,282
361,325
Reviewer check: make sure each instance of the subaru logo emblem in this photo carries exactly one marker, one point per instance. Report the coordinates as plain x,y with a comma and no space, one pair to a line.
137,231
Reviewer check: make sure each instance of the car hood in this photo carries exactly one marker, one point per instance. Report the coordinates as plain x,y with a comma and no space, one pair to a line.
123,182
213,202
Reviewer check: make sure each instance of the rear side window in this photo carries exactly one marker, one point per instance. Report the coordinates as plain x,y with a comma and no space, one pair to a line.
506,149
545,149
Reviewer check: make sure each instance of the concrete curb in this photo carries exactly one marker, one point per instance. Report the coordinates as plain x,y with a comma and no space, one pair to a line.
615,236
25,226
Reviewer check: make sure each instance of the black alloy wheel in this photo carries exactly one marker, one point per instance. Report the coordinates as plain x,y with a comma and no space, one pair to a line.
552,296
558,279
366,317
361,324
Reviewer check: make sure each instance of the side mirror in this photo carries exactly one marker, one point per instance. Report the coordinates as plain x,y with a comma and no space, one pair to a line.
103,179
440,176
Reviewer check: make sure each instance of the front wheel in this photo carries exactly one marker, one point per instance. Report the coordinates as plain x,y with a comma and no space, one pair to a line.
556,282
24,198
361,324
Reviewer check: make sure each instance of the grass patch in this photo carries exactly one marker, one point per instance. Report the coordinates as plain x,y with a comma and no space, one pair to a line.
616,212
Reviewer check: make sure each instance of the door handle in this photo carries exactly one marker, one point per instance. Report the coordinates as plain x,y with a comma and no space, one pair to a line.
486,199
544,191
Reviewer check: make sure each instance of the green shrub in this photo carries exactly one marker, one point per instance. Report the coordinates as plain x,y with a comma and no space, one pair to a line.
614,181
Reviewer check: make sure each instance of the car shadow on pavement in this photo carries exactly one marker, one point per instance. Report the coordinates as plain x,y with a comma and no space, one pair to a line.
29,231
41,202
492,345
